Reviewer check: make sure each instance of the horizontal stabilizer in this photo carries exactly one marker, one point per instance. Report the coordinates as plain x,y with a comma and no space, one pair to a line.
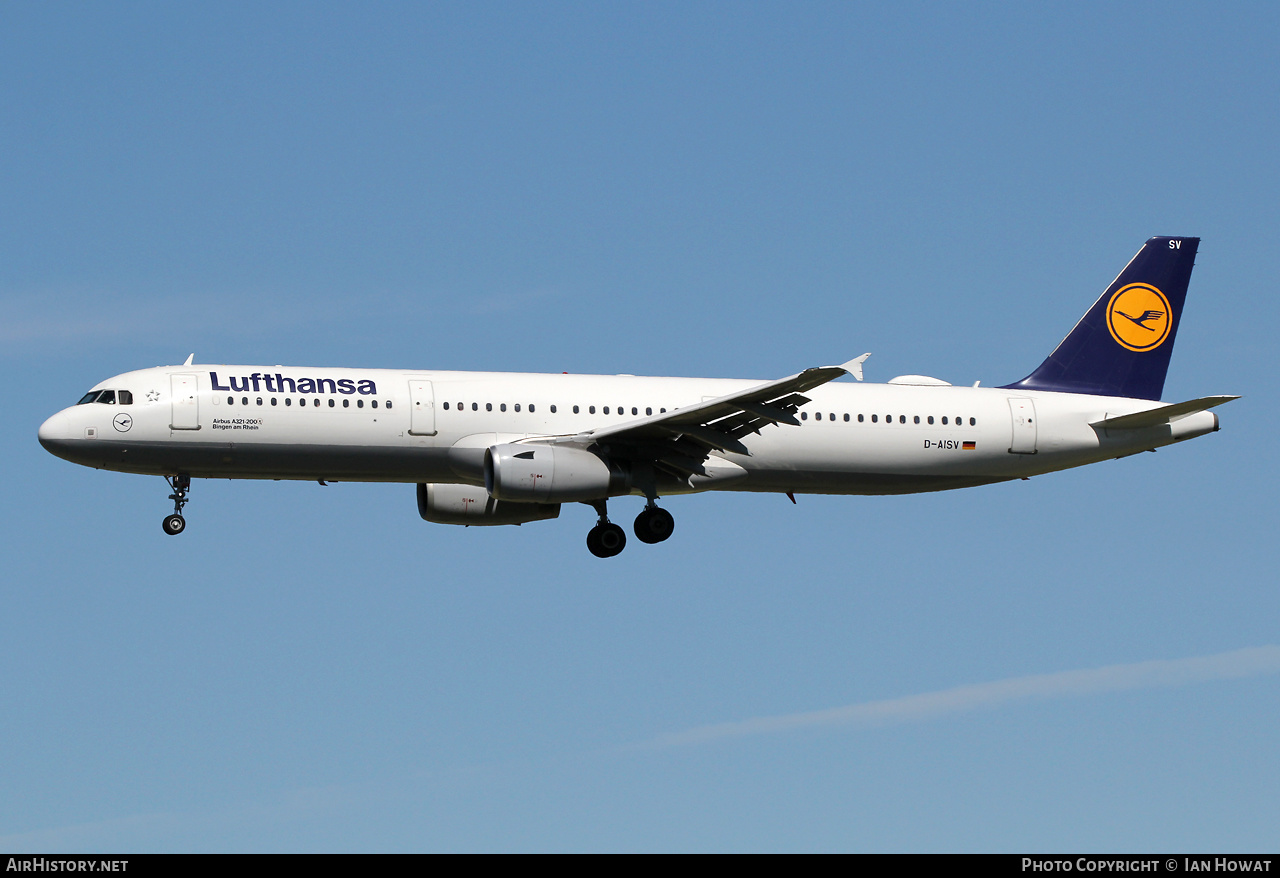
1166,414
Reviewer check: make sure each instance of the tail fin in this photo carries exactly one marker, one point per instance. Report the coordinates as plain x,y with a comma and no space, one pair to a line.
1121,346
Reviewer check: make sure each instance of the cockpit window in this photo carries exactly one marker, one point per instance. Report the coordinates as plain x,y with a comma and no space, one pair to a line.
124,397
107,396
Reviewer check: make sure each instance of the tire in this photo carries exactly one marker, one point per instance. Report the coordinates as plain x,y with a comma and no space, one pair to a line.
606,540
654,525
174,524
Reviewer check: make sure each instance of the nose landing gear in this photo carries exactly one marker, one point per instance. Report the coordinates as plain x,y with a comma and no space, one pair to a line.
175,524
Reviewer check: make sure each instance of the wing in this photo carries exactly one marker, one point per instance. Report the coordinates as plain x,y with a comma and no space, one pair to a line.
679,441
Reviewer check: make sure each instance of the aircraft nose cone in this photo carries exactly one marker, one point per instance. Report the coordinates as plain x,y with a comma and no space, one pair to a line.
55,434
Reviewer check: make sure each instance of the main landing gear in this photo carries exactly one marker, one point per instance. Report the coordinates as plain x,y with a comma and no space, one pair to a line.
654,525
176,524
607,539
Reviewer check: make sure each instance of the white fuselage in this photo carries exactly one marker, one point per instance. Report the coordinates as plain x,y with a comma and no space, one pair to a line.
433,427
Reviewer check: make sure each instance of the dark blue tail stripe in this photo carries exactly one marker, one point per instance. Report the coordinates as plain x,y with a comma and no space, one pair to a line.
1091,359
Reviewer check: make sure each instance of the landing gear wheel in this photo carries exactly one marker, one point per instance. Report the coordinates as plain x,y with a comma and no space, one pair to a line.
181,484
606,540
654,525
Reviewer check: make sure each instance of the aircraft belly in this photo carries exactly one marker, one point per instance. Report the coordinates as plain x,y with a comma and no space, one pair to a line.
827,482
231,460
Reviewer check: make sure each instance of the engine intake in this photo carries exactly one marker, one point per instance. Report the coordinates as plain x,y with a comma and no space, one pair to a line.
550,474
472,506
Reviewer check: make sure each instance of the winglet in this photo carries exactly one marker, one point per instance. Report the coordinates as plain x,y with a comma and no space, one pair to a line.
190,357
854,367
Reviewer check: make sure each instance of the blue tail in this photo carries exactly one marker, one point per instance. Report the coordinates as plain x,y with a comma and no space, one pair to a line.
1121,347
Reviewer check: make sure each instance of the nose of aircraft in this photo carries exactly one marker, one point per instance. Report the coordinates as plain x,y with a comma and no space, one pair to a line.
55,433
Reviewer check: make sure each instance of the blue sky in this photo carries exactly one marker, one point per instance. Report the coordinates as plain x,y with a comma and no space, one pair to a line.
1087,660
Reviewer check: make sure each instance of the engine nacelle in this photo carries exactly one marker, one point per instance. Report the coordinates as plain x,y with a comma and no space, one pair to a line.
550,474
469,505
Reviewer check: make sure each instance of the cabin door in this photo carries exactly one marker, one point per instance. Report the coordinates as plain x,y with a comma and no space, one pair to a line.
185,403
422,409
1023,412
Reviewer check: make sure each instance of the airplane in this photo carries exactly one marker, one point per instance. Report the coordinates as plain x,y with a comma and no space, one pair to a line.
488,448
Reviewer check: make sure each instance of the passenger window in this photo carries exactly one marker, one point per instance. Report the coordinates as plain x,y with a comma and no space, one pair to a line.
446,406
860,418
331,403
530,408
648,410
662,411
591,410
125,398
606,410
475,406
502,407
944,420
575,410
517,406
635,411
875,419
359,403
244,400
553,410
917,420
346,403
930,419
973,422
231,400
273,400
804,416
388,404
373,403
488,406
259,400
846,417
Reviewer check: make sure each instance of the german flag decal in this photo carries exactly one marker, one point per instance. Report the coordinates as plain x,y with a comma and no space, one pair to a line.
970,446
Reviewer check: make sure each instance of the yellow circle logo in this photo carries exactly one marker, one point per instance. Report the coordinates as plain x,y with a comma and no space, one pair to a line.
1139,317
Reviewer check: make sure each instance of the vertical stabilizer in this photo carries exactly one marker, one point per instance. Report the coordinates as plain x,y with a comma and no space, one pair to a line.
1121,346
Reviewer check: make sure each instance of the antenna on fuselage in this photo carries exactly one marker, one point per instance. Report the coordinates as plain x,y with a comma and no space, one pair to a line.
190,358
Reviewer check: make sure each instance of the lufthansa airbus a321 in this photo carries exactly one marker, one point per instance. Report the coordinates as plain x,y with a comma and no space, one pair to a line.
488,448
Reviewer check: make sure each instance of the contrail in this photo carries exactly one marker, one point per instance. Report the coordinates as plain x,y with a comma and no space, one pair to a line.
1251,662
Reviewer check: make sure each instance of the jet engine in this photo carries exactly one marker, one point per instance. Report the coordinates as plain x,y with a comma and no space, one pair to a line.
472,506
550,474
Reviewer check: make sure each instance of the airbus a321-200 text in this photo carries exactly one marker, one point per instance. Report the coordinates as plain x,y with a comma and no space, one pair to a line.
489,448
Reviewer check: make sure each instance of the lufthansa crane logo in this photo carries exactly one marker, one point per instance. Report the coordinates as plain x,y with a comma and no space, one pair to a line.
1139,317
